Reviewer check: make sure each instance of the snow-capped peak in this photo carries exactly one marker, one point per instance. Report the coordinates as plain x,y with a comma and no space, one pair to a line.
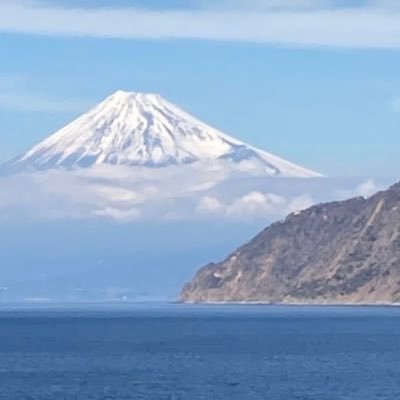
144,129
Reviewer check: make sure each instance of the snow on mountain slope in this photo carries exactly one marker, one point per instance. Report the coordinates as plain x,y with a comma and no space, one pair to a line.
146,130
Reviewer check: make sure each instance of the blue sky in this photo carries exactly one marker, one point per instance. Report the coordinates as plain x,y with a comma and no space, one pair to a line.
274,73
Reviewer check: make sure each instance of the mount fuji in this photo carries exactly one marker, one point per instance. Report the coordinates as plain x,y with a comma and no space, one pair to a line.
138,129
130,198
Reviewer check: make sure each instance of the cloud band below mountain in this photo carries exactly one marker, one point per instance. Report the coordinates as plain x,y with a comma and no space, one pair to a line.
184,193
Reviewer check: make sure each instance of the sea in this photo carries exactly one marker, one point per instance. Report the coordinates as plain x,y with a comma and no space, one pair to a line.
199,352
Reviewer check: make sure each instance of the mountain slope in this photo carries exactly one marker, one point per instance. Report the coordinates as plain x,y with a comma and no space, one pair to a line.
144,129
342,252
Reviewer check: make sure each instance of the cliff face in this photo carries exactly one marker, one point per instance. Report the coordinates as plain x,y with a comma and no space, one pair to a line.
341,252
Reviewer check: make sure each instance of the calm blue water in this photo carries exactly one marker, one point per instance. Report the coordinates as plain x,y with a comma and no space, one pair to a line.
186,352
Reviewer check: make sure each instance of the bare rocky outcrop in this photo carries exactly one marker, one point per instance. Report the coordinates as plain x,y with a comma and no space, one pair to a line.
340,252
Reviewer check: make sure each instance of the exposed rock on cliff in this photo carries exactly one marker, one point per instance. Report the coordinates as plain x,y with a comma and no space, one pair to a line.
341,252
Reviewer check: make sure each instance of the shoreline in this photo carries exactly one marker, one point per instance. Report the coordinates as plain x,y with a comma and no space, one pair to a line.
291,304
106,305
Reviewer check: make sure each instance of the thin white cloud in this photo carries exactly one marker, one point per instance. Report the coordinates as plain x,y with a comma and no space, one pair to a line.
256,204
40,103
116,214
387,5
209,205
364,189
300,203
307,23
395,104
253,205
266,5
367,188
15,95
